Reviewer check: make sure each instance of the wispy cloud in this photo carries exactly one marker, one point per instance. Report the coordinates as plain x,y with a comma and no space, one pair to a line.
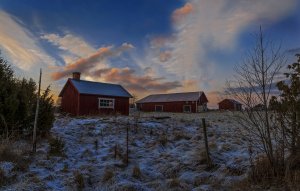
206,26
91,62
73,45
138,84
181,12
20,46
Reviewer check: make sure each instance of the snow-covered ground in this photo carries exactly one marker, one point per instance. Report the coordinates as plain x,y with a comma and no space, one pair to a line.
164,154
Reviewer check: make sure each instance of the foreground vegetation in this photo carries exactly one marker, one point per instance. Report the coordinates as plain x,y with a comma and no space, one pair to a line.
18,99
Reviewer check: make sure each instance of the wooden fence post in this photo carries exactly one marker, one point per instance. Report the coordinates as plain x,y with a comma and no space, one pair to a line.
127,151
208,160
36,115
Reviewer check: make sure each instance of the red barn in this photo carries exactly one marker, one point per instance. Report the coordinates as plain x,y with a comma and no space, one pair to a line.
174,102
80,97
230,104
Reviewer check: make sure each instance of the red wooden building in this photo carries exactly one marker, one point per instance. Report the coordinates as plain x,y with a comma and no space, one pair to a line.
230,104
80,97
174,102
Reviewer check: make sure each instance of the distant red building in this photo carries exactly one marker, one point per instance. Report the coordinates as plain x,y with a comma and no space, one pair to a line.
230,104
175,102
80,97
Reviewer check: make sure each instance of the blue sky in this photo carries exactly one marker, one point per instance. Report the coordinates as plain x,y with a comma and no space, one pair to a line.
148,46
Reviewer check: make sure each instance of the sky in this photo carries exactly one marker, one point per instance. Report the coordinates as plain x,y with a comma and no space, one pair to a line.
148,46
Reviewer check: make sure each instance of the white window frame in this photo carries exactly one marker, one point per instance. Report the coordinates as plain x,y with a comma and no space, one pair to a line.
162,108
187,111
107,99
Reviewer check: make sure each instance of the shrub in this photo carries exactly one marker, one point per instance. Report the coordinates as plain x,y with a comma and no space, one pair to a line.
56,147
136,172
2,177
18,99
174,183
108,175
262,171
163,140
7,154
79,180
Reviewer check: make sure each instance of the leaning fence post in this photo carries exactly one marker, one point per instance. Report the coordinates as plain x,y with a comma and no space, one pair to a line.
127,151
208,160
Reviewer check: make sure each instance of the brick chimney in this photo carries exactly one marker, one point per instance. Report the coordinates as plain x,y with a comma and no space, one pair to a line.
76,75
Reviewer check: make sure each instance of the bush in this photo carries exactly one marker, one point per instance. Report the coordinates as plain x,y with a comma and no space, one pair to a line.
136,172
79,180
56,147
108,175
7,154
2,177
18,99
163,140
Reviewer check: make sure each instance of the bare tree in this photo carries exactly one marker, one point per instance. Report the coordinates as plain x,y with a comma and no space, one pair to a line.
253,84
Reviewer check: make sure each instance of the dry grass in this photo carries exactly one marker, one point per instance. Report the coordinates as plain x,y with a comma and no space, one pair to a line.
56,147
163,139
175,182
8,154
107,175
136,172
2,177
178,135
292,174
262,171
79,180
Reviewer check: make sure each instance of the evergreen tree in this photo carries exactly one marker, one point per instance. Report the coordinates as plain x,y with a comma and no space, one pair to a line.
18,102
287,107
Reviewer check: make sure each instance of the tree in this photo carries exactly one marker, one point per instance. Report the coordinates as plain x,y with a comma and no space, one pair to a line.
18,102
287,106
252,84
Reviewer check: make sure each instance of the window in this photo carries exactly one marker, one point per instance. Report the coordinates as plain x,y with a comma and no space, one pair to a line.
158,108
186,108
106,103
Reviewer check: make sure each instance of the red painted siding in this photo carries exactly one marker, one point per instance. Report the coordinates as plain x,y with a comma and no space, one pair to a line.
69,100
173,106
229,105
82,104
89,105
168,106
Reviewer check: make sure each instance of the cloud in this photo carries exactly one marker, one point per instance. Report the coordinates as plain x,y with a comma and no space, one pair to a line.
84,65
181,12
134,82
206,26
70,43
165,55
20,46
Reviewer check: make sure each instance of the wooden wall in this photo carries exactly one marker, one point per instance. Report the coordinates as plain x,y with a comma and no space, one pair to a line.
89,105
168,106
173,106
229,105
69,100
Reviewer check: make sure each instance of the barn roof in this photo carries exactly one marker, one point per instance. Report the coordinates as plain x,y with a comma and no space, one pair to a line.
185,96
98,88
232,101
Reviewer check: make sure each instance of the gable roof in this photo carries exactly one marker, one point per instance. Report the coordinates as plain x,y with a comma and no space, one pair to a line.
97,88
232,101
185,96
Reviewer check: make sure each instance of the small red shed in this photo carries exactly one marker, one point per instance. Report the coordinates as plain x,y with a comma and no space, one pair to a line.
80,97
230,104
175,102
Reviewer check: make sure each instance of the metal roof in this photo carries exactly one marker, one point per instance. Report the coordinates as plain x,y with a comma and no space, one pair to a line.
99,88
172,97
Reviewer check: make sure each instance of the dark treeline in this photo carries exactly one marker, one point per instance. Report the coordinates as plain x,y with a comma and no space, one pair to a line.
18,99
